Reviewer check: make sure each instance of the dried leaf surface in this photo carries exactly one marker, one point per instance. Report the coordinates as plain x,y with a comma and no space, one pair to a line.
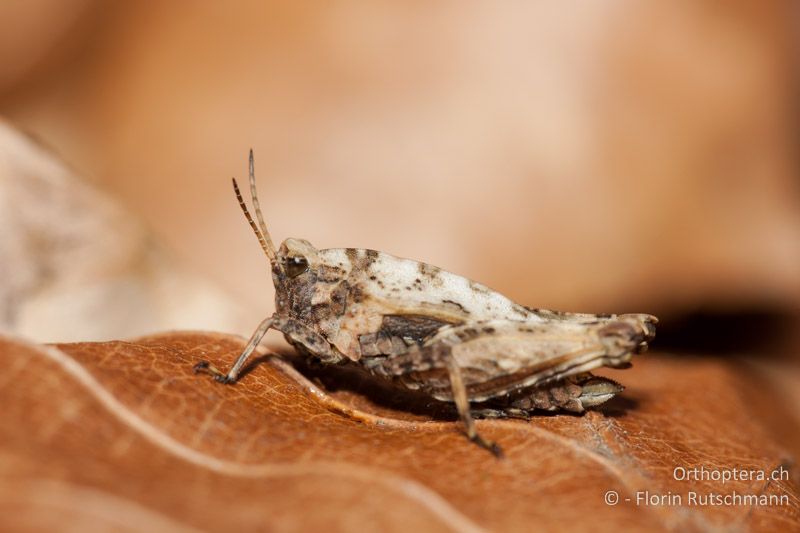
122,435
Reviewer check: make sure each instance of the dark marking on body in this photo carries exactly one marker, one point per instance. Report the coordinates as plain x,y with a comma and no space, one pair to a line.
362,262
330,274
428,271
356,294
339,298
456,304
520,310
477,287
321,311
414,327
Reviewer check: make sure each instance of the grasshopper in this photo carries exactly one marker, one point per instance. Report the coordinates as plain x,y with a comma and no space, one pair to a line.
436,332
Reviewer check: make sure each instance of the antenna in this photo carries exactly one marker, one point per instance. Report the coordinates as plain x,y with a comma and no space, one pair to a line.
263,238
254,196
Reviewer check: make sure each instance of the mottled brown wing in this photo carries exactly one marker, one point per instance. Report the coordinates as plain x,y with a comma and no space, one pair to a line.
499,356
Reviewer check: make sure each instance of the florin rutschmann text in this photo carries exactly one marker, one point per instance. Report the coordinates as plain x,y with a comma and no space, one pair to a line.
756,480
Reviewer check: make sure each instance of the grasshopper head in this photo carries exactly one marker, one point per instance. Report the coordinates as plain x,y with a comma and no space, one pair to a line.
294,258
301,276
296,274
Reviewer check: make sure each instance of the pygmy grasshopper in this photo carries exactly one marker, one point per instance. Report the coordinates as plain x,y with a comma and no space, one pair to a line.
433,331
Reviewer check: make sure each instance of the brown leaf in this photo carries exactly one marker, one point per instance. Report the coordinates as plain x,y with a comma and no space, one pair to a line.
122,435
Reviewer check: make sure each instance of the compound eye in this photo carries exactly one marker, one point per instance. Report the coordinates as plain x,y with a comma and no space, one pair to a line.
296,265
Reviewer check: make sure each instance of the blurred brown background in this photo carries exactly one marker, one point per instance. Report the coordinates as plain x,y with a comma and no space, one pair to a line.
596,156
613,156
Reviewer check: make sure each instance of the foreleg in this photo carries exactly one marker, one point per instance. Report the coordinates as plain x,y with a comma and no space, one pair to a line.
233,374
298,334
